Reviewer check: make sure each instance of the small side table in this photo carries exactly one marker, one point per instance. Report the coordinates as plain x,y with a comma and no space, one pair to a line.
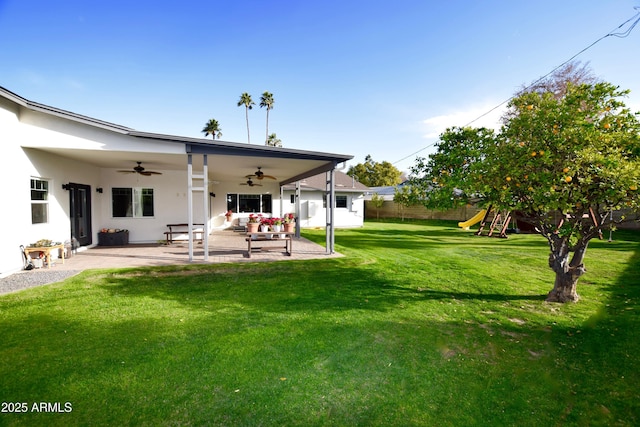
47,251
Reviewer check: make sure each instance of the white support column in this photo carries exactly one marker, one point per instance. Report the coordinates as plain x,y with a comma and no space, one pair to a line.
205,204
191,189
190,202
297,208
331,203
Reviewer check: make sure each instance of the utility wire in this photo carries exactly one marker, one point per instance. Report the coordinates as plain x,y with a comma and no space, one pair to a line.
609,34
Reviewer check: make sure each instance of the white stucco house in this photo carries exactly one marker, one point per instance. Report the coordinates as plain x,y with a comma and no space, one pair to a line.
65,176
349,201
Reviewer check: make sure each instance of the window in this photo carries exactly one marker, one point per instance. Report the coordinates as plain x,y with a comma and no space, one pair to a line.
341,201
249,203
39,201
132,202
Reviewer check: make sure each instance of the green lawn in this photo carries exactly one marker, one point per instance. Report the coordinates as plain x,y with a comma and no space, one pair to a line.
420,323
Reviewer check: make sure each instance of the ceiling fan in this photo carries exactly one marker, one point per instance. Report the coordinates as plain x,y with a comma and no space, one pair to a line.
142,171
260,175
250,183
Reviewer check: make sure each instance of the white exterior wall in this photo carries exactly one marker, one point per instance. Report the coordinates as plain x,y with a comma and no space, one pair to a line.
18,166
25,132
313,214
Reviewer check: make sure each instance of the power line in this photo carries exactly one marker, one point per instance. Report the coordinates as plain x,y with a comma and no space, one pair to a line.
609,34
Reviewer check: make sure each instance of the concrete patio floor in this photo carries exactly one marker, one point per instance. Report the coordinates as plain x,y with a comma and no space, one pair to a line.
224,246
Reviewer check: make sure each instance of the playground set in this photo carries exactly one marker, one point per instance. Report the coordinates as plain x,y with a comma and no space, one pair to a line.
503,222
498,223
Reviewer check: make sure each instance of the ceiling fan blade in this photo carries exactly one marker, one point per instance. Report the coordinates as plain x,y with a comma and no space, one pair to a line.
152,173
261,175
127,171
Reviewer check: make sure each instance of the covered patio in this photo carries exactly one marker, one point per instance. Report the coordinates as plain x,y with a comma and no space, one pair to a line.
86,175
224,246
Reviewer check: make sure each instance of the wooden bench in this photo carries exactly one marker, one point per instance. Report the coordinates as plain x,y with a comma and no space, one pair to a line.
183,229
262,236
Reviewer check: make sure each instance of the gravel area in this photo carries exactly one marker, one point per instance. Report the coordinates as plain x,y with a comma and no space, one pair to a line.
31,278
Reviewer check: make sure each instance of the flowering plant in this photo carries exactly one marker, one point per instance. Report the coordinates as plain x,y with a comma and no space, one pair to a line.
267,221
229,214
255,219
276,221
288,218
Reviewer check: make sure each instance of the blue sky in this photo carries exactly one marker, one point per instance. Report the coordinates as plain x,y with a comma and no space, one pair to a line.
351,77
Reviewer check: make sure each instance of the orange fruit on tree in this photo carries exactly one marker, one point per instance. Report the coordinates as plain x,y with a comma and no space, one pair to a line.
607,125
568,179
508,178
565,170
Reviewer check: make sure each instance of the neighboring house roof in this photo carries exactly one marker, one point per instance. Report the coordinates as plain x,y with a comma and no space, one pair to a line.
387,192
343,183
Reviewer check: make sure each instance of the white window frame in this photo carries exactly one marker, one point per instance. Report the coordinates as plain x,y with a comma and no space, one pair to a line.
37,186
137,205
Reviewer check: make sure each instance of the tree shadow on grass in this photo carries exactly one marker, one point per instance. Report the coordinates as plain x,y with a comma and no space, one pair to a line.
320,285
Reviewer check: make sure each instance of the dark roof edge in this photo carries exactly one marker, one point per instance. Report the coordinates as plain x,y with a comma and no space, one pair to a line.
201,146
192,145
324,168
47,109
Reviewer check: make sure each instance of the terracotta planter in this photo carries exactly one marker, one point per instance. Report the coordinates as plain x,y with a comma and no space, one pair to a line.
290,227
252,227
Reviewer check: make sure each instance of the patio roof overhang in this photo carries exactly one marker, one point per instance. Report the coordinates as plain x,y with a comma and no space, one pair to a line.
228,161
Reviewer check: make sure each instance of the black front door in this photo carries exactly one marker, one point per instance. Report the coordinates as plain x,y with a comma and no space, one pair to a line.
80,209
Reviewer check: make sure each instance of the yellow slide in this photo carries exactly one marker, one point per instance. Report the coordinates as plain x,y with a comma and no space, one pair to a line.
474,220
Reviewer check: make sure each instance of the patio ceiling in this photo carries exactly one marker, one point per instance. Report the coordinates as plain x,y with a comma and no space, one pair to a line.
227,161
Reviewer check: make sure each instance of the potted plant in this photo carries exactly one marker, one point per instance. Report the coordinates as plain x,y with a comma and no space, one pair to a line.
228,215
253,223
265,225
289,223
276,225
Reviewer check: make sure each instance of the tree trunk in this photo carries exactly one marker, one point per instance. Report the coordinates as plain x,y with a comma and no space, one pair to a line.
247,117
567,273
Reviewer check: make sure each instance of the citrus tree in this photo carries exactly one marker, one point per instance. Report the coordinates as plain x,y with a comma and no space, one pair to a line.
564,164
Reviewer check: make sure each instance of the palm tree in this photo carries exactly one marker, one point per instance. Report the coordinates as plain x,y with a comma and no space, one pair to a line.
212,128
245,99
266,100
273,141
